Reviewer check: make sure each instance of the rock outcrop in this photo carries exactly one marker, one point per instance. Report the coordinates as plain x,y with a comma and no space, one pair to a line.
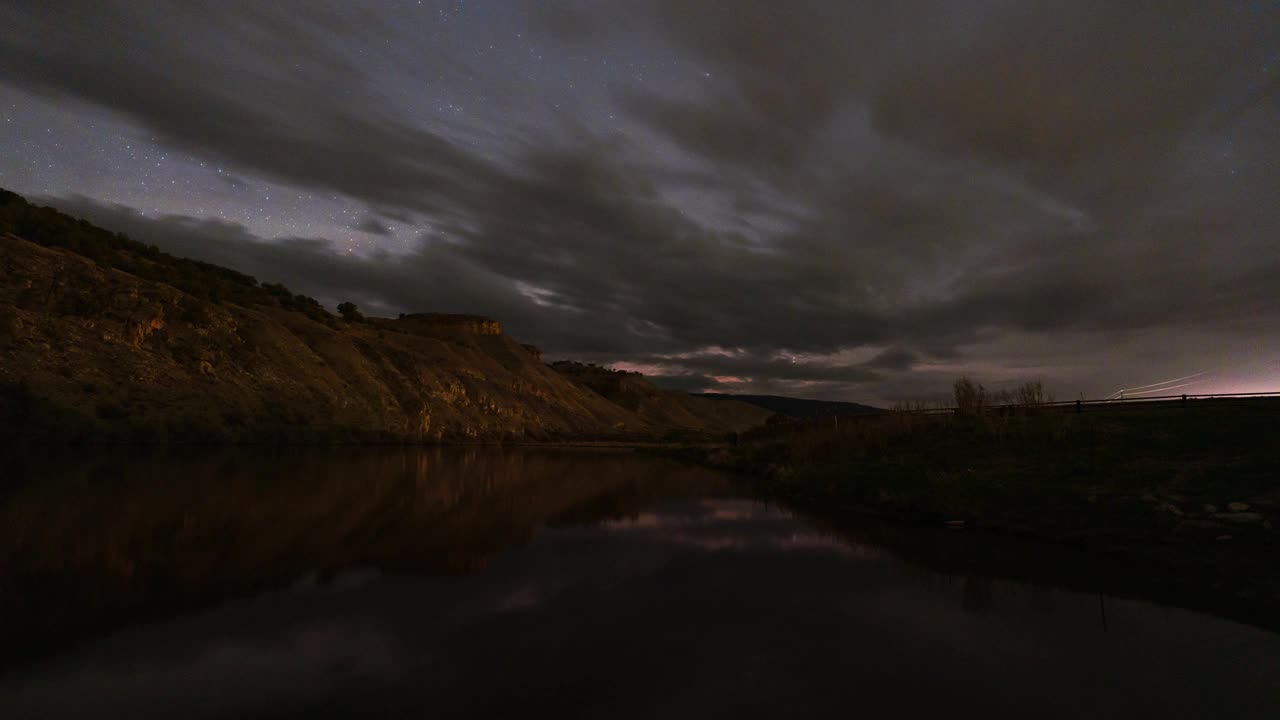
429,322
98,349
104,339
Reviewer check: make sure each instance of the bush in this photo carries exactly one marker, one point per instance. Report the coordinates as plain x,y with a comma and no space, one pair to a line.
350,312
1029,394
970,397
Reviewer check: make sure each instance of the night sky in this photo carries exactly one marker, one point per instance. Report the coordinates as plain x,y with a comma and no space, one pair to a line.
824,199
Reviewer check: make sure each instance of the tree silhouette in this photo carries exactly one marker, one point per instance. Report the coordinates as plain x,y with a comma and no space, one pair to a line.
350,312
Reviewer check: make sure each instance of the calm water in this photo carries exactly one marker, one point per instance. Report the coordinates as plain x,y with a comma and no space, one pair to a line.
465,583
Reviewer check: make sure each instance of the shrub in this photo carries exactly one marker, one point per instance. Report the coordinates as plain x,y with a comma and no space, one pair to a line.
970,397
1029,394
350,312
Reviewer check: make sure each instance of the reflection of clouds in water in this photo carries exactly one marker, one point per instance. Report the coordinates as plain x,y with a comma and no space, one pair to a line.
675,612
699,514
793,542
710,544
718,524
639,522
225,677
736,509
814,541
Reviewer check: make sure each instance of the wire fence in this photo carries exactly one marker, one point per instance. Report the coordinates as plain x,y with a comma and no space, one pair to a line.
799,427
1184,400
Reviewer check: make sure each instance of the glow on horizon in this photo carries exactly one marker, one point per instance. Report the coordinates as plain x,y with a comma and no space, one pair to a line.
1222,387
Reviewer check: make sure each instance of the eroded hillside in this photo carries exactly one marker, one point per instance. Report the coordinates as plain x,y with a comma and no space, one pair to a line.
102,338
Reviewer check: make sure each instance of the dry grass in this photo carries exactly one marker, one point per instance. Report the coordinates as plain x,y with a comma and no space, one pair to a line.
992,416
974,399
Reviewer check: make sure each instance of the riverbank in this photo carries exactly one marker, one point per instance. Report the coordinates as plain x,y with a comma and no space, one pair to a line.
1188,495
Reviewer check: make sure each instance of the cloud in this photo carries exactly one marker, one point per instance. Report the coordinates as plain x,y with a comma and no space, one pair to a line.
918,185
374,226
275,94
566,22
894,358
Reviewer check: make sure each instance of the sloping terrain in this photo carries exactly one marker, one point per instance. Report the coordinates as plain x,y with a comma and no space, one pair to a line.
102,338
115,355
663,407
799,407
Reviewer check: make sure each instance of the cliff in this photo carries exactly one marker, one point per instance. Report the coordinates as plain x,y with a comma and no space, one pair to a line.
103,339
428,323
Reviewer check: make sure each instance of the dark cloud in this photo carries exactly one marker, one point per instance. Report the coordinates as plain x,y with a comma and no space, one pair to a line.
894,358
855,199
234,182
691,383
393,215
567,22
431,277
749,366
374,226
259,88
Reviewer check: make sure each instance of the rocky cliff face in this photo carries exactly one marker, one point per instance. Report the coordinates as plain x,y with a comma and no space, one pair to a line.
427,323
109,354
103,338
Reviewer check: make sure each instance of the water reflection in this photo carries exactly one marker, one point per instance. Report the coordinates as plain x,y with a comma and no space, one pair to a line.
143,534
611,585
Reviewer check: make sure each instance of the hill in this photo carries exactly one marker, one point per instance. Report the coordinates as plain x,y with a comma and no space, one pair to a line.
633,392
799,407
105,339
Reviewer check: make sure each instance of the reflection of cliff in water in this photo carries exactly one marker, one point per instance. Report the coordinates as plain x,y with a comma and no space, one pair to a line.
90,543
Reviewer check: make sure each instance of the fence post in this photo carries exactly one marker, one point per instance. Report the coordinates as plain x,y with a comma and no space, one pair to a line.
1078,406
1184,399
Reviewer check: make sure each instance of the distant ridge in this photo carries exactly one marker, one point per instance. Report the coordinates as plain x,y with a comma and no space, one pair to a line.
800,407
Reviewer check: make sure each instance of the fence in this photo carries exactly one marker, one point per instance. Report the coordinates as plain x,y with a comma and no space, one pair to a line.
794,426
1081,405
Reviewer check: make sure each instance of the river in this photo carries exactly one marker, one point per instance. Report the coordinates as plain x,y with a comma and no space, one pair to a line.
480,582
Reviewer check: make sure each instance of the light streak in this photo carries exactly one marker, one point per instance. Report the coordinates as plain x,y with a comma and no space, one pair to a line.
1130,391
1174,387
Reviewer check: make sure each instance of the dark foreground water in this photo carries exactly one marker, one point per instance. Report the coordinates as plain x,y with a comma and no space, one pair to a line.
487,583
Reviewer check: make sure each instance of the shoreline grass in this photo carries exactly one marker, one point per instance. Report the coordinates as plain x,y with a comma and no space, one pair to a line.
1200,472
